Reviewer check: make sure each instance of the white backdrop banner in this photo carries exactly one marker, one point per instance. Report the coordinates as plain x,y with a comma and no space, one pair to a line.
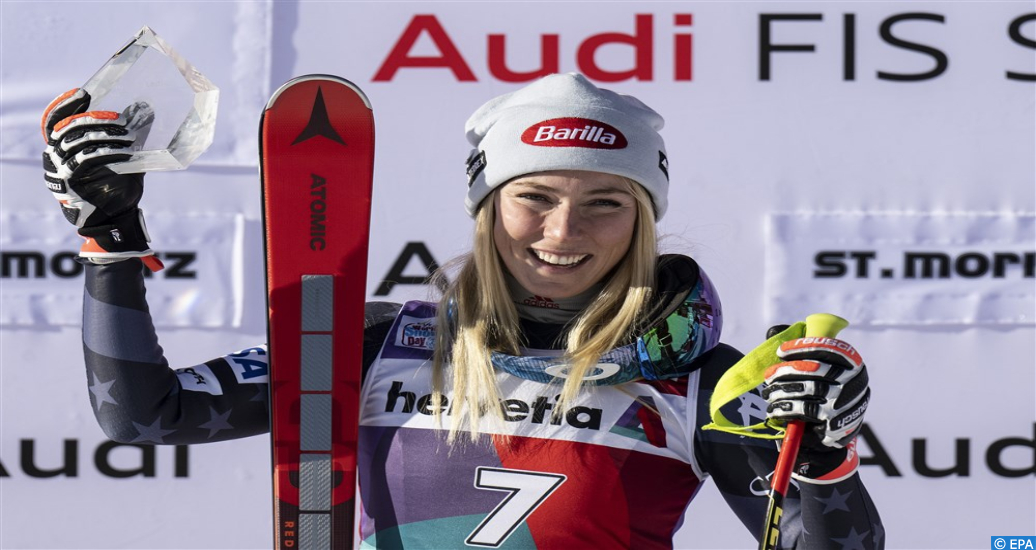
903,268
201,284
873,159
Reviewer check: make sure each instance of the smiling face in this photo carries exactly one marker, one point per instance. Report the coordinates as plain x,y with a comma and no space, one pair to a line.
560,232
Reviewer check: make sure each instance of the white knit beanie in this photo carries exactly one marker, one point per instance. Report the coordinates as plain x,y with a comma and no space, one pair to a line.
564,122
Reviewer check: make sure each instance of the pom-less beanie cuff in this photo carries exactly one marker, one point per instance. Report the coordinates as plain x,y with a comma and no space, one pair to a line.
564,122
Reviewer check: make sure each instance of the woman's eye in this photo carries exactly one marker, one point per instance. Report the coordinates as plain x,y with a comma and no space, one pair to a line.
607,202
532,197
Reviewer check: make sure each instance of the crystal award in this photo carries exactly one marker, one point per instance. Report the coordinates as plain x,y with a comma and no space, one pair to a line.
171,104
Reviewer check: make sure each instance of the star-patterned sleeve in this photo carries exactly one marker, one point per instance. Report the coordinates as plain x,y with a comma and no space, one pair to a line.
835,515
138,398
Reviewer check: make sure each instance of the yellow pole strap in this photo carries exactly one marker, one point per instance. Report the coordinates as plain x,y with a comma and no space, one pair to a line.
746,375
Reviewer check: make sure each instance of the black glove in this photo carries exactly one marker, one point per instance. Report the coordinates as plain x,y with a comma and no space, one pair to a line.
101,203
823,382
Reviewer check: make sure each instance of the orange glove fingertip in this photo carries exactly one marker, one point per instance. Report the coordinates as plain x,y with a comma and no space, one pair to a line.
50,107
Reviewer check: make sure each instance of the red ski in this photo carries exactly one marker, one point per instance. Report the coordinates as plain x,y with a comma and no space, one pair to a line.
317,159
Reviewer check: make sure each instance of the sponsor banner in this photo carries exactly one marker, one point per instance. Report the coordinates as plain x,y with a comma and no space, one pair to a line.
903,268
686,42
95,485
201,285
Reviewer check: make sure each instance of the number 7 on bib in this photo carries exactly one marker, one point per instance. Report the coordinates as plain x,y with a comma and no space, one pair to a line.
317,164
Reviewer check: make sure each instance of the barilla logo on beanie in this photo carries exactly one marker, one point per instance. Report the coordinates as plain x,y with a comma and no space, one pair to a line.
574,132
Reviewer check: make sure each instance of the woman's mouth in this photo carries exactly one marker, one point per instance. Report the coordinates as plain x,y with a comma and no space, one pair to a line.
559,260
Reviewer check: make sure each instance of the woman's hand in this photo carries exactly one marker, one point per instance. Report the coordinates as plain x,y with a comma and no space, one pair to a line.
81,145
823,382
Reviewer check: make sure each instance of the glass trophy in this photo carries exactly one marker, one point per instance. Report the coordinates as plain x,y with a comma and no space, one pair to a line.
170,104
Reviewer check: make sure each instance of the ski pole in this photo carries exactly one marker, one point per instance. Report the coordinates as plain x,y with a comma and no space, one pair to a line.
817,325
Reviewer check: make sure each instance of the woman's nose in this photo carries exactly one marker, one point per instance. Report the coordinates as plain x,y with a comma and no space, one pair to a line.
562,223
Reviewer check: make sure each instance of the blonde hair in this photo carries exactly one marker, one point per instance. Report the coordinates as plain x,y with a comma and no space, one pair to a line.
477,316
